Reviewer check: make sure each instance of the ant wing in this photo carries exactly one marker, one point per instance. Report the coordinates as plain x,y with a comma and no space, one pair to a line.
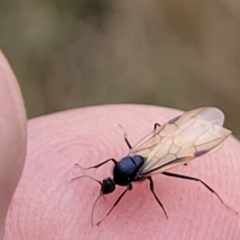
181,139
150,141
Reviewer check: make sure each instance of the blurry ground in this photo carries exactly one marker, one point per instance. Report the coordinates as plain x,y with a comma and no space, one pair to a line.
181,54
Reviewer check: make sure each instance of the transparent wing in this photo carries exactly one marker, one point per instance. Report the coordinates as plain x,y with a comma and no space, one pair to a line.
149,142
181,139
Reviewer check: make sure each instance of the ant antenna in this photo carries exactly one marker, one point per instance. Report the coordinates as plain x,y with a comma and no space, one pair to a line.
86,176
115,204
101,194
93,208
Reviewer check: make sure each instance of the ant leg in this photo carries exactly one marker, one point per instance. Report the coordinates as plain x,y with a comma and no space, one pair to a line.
125,137
203,183
98,165
154,194
129,187
156,125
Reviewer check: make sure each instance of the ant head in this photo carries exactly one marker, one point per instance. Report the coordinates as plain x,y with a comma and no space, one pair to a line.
108,186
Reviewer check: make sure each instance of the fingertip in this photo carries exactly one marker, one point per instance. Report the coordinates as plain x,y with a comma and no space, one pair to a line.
89,136
13,136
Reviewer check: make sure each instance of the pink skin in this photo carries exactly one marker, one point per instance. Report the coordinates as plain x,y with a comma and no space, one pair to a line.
48,205
13,137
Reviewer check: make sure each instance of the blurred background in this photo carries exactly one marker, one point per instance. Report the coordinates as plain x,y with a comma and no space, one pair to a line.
180,54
